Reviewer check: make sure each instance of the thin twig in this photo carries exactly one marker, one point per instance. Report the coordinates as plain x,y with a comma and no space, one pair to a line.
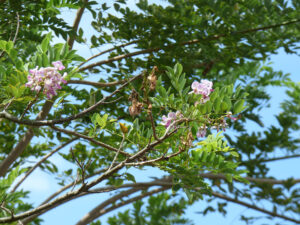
96,84
251,179
106,51
17,30
151,161
280,158
77,20
90,139
8,104
120,148
113,101
218,195
30,104
40,162
152,124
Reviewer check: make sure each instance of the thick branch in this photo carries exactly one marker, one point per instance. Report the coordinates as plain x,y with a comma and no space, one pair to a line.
161,182
94,213
76,23
20,147
100,210
165,182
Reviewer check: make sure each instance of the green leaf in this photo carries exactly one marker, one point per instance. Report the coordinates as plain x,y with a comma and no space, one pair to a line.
45,60
238,106
64,51
9,46
116,6
217,105
45,42
3,45
130,177
208,106
235,154
214,95
178,69
101,120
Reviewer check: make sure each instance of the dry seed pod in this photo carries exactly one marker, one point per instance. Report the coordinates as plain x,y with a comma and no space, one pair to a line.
152,78
136,108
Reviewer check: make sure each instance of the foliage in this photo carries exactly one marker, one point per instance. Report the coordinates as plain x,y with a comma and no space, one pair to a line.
171,75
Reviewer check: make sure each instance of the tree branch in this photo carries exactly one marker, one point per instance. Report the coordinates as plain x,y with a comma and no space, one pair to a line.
117,153
76,23
40,122
151,161
253,180
254,207
165,182
96,84
119,57
108,50
18,27
281,158
20,147
94,213
100,210
90,139
40,162
195,41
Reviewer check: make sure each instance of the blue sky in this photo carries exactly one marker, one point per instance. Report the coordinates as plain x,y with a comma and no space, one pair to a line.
42,184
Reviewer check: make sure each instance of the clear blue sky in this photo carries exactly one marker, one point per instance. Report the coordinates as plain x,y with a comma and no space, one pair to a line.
42,185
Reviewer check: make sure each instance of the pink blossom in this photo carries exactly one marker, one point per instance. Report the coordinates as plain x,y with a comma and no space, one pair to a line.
204,88
58,65
170,118
49,78
201,131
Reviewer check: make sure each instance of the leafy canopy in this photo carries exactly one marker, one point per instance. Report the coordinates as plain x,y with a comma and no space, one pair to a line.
173,86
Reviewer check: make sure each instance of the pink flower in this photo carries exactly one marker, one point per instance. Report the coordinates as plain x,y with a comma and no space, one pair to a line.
58,65
168,120
171,118
204,88
49,78
201,131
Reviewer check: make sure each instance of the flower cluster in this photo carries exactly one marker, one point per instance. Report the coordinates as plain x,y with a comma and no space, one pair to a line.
170,118
204,88
48,77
